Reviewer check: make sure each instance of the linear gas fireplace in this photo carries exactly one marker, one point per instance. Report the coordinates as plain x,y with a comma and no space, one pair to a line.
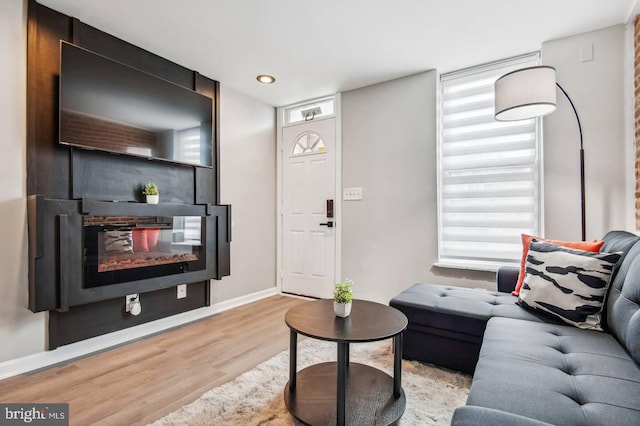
122,249
84,251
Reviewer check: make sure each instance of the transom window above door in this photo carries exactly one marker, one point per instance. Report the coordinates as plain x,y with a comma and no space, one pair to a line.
317,109
308,143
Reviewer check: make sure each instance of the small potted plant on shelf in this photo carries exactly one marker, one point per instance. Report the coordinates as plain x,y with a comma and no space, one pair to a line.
151,192
342,298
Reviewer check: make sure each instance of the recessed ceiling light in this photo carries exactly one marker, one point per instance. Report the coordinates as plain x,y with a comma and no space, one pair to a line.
266,79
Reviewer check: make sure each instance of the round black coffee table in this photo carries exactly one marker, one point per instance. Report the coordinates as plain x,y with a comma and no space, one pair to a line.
341,392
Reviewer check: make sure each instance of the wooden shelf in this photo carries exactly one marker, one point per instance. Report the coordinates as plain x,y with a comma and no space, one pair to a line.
108,208
370,399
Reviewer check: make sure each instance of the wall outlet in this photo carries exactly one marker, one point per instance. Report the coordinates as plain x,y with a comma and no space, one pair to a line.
182,291
352,194
132,304
128,299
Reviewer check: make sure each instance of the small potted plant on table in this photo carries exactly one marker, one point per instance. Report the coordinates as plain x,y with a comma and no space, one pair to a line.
342,298
151,192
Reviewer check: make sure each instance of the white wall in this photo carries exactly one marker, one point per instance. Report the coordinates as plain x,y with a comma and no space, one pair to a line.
389,239
21,331
597,90
248,179
635,10
248,183
389,140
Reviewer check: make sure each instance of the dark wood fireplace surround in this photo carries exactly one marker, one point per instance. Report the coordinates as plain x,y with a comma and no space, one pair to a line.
66,184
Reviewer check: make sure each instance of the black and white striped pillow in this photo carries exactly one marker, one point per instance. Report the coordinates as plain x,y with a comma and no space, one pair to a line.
118,241
567,283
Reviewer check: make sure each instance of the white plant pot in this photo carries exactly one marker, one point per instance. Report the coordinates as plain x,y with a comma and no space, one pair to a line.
153,199
342,309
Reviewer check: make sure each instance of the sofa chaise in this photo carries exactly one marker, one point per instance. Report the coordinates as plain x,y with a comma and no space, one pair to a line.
528,367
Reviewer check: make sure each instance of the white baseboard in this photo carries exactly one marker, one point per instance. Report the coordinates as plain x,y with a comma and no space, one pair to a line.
65,353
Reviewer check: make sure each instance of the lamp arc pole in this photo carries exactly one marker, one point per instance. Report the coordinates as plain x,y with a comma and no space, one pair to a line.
531,92
582,192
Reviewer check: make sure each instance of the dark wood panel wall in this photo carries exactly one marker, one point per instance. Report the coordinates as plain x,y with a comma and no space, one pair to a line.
108,316
61,172
50,167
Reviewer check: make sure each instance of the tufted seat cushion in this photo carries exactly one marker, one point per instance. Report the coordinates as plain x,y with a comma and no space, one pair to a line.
623,303
446,324
470,309
556,374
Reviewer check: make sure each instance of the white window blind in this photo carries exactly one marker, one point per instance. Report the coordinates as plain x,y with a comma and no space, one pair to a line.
488,175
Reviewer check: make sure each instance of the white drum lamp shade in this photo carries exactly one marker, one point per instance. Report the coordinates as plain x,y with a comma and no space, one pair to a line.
525,93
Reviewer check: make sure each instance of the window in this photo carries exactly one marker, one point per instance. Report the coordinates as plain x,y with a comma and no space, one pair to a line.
321,108
308,143
488,174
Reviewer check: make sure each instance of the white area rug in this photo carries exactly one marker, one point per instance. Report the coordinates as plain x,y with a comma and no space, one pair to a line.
256,397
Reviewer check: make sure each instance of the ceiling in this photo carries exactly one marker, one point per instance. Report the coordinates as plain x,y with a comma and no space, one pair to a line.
316,48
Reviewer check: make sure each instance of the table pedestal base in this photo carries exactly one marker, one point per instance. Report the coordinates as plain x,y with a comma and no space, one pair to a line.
370,399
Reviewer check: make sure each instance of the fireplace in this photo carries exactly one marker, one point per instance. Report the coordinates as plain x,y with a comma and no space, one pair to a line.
121,249
86,251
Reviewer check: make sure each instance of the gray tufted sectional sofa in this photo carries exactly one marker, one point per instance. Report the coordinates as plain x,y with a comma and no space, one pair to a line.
529,369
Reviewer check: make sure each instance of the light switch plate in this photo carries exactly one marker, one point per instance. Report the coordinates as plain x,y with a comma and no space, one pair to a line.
352,194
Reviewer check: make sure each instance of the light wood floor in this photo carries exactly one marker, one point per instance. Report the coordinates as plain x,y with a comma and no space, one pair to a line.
143,381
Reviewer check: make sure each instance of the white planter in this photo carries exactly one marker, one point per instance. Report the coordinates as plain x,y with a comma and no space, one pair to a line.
342,309
153,199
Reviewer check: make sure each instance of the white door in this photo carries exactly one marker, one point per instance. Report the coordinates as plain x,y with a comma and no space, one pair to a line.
308,180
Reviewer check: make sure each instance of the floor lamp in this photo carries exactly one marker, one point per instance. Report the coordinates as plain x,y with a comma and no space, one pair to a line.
531,92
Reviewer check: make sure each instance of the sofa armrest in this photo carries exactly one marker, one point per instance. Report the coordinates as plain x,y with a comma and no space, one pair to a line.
506,278
470,415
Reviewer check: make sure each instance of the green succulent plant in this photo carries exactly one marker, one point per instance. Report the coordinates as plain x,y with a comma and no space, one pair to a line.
150,189
342,291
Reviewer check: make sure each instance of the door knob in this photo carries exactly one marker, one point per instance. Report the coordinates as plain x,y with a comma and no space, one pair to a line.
329,224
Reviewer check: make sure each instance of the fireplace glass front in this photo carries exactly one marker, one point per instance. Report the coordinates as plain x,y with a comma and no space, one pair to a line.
122,249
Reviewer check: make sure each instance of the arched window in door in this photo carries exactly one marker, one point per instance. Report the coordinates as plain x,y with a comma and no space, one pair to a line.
308,143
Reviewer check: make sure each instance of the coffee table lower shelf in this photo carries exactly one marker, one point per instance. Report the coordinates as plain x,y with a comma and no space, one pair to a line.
370,399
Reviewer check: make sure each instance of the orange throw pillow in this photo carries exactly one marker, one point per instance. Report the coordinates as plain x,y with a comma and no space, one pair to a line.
140,240
152,238
593,246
